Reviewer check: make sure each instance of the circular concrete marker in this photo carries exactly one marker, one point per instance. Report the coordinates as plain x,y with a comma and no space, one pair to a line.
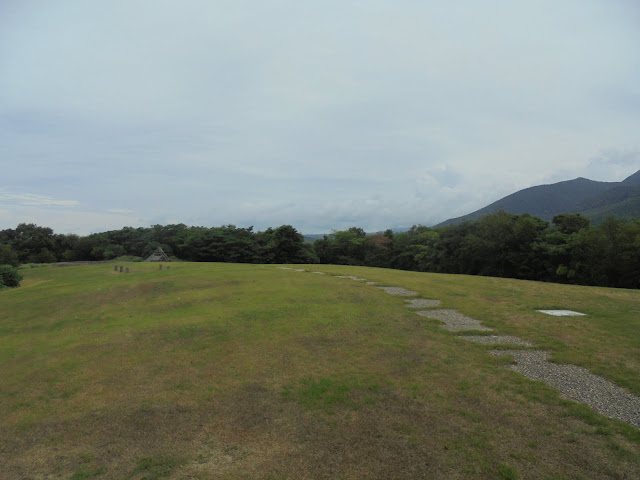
562,313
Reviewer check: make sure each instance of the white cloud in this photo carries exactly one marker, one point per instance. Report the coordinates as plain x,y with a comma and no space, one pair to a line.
123,211
269,113
68,220
31,199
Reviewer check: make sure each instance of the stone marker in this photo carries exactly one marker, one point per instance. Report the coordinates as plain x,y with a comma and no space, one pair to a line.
115,268
160,266
562,313
127,269
121,268
168,267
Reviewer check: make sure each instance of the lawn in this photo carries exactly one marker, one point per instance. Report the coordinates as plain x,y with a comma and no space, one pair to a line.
233,371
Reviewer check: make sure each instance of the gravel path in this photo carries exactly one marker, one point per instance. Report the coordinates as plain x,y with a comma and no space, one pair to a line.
453,320
422,303
351,277
497,340
577,383
403,292
573,382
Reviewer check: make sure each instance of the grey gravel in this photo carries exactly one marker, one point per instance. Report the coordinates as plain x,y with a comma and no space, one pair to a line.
285,268
319,273
422,303
403,292
351,277
577,383
372,283
453,320
497,340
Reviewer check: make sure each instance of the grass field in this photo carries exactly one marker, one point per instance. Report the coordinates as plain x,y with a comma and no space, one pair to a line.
233,371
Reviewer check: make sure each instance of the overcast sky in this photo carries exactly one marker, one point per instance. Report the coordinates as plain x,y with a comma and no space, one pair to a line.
322,115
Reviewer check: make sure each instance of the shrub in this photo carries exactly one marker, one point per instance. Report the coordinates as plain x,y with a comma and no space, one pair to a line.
9,276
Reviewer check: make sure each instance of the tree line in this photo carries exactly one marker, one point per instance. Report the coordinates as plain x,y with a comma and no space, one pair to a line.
29,243
567,250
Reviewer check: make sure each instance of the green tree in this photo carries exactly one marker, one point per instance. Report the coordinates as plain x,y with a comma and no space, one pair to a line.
44,256
8,256
29,240
569,223
378,249
288,246
347,247
9,276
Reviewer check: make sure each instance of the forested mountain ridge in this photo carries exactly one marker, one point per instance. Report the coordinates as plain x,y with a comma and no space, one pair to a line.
595,200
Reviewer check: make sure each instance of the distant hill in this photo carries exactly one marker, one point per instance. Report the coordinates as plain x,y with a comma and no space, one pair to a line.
310,238
595,200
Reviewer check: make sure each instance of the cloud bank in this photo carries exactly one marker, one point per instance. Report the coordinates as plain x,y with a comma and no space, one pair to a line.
377,114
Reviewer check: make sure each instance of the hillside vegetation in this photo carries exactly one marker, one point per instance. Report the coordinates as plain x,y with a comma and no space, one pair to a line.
568,250
233,371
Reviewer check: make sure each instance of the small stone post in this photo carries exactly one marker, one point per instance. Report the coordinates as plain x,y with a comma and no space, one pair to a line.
127,269
115,268
121,268
160,266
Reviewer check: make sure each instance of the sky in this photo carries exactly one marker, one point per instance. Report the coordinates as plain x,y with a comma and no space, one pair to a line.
321,115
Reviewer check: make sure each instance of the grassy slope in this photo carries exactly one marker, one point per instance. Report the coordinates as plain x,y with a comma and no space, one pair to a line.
242,371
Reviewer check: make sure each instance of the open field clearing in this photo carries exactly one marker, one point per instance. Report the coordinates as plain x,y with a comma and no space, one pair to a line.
233,371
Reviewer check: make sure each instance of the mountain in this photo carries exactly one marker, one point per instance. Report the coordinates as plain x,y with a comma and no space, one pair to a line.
595,200
632,179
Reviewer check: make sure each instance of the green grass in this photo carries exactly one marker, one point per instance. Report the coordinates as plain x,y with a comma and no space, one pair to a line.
155,468
247,371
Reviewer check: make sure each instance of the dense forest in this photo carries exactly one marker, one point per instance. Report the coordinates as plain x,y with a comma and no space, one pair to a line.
567,250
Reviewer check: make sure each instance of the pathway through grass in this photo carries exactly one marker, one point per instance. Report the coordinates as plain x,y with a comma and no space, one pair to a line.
575,383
